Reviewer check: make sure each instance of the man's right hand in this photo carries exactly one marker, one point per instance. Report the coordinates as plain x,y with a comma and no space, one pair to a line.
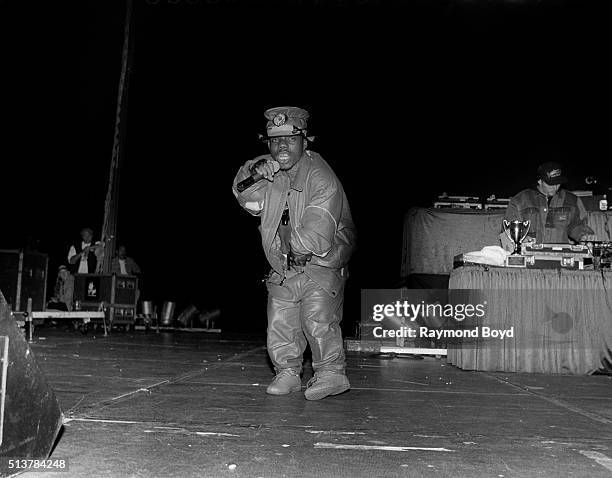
267,168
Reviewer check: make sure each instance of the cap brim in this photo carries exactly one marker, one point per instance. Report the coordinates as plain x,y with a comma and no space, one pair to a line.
264,137
554,182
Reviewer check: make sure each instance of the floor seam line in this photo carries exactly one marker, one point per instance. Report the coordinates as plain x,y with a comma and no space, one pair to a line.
110,401
560,403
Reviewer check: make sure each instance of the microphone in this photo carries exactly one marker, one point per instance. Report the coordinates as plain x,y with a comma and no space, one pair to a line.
253,178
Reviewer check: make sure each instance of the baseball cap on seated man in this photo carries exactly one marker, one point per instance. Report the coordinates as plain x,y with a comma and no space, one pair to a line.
551,173
286,121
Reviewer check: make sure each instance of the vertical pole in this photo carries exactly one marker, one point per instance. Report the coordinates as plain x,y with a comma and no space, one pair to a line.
156,319
44,303
109,226
101,307
19,280
30,321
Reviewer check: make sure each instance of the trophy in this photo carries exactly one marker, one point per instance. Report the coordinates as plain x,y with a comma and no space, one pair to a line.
516,232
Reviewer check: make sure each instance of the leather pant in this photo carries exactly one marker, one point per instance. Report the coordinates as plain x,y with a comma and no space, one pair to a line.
300,312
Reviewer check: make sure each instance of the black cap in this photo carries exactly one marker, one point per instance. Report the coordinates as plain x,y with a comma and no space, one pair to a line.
551,173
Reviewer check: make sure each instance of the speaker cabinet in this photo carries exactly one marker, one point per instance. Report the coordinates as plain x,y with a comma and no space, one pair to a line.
23,275
118,292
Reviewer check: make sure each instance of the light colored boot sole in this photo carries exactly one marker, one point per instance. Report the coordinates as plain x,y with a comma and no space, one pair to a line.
326,392
297,388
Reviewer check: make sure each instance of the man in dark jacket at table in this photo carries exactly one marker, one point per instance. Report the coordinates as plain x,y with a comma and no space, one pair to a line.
308,237
555,215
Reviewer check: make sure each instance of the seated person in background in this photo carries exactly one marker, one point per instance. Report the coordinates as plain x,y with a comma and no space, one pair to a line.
85,256
63,292
555,215
124,265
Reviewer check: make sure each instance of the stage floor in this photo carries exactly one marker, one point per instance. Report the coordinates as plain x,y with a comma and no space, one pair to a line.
194,404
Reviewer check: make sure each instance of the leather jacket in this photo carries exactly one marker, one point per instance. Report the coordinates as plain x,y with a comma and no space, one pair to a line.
321,220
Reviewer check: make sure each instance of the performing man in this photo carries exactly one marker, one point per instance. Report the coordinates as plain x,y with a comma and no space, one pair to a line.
308,236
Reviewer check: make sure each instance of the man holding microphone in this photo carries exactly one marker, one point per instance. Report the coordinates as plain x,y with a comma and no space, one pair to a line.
308,236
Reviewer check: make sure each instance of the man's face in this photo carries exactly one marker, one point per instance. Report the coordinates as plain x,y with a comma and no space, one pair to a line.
287,150
121,252
548,189
87,236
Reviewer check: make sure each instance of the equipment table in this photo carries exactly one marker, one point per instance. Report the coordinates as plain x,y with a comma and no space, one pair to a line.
561,319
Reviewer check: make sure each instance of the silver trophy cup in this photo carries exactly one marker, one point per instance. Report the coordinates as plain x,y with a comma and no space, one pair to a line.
516,232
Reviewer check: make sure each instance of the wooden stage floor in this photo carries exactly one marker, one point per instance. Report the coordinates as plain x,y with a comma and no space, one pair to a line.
194,404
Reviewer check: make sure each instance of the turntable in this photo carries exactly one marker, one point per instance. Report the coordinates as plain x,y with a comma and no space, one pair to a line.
555,256
461,202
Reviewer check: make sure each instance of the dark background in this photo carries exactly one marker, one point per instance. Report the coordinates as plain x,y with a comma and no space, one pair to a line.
407,100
